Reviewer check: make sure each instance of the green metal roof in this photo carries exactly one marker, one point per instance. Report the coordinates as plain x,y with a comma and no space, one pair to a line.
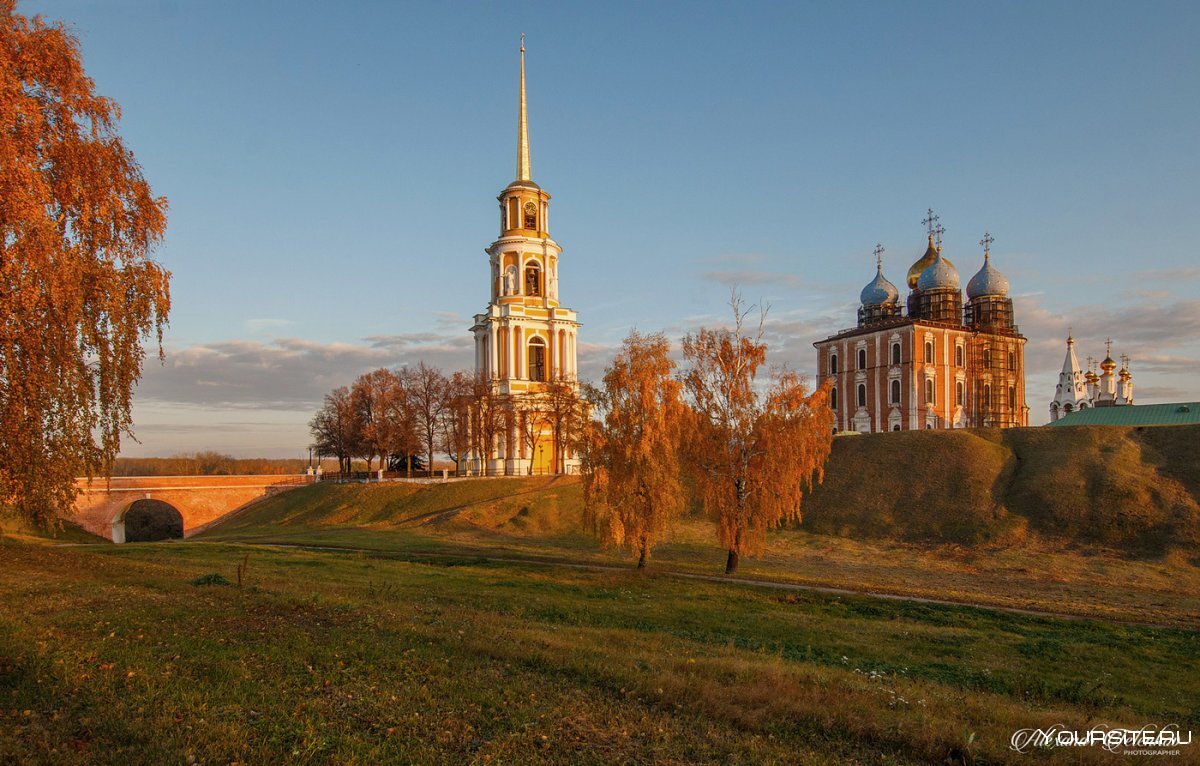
1178,414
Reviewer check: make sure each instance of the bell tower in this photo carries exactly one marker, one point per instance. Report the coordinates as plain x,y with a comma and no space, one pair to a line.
525,338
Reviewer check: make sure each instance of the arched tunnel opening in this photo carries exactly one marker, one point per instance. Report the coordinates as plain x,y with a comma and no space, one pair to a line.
151,520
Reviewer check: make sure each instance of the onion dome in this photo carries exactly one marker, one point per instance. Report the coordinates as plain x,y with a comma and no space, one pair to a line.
940,274
879,291
989,281
914,271
1108,365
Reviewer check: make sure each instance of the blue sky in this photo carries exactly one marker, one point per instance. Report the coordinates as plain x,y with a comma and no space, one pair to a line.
332,172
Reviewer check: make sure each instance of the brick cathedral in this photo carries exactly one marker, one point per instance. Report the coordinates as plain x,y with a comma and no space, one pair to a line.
933,361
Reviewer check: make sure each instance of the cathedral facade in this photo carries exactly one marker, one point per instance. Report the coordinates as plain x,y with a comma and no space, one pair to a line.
932,361
525,338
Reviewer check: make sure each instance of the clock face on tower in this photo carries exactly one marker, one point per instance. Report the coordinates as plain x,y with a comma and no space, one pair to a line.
530,216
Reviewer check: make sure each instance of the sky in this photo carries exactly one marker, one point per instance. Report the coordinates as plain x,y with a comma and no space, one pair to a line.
332,169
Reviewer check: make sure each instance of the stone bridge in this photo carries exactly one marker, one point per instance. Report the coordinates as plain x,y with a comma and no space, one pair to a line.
195,500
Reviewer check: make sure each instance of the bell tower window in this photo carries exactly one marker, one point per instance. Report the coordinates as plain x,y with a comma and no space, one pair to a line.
531,216
537,360
533,280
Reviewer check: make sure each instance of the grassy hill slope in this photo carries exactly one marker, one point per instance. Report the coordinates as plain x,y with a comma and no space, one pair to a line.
1131,488
1137,490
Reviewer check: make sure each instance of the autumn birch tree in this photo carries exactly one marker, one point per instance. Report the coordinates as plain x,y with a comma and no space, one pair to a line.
79,293
632,478
753,449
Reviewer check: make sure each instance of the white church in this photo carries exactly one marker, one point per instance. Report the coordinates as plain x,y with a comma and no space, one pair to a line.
1080,389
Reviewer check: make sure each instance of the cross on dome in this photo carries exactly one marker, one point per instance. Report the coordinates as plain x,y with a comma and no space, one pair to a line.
930,222
987,241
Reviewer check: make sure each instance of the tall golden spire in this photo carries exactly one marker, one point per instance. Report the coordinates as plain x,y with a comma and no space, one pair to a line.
523,126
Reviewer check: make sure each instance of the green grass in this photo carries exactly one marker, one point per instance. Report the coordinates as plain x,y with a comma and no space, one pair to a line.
69,532
542,519
112,655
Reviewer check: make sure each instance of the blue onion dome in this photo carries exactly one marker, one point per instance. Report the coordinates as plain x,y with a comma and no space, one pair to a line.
879,291
940,274
989,281
922,263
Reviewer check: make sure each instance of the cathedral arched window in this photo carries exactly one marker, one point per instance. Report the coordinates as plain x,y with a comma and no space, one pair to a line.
1012,360
1012,398
896,427
862,359
928,352
987,357
833,398
537,359
958,355
533,279
895,392
959,393
531,216
833,364
862,395
987,398
929,392
895,353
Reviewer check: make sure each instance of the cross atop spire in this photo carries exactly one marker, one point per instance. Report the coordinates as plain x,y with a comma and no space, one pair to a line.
1108,346
523,126
879,257
938,231
987,241
930,222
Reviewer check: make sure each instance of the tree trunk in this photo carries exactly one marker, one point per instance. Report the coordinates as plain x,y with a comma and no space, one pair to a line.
642,556
731,563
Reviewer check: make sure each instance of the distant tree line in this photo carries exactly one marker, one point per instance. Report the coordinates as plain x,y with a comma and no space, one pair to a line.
395,419
206,463
400,419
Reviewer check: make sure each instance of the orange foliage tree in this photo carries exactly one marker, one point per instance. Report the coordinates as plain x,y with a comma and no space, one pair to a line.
753,450
79,293
632,482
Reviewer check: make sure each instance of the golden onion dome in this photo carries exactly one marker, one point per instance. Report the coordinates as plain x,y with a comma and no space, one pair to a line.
914,271
1108,364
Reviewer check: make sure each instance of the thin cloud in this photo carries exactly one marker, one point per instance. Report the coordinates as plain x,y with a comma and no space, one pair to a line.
744,277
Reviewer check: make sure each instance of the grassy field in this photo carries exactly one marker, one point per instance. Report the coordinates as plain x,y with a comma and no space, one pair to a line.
540,518
476,622
110,654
